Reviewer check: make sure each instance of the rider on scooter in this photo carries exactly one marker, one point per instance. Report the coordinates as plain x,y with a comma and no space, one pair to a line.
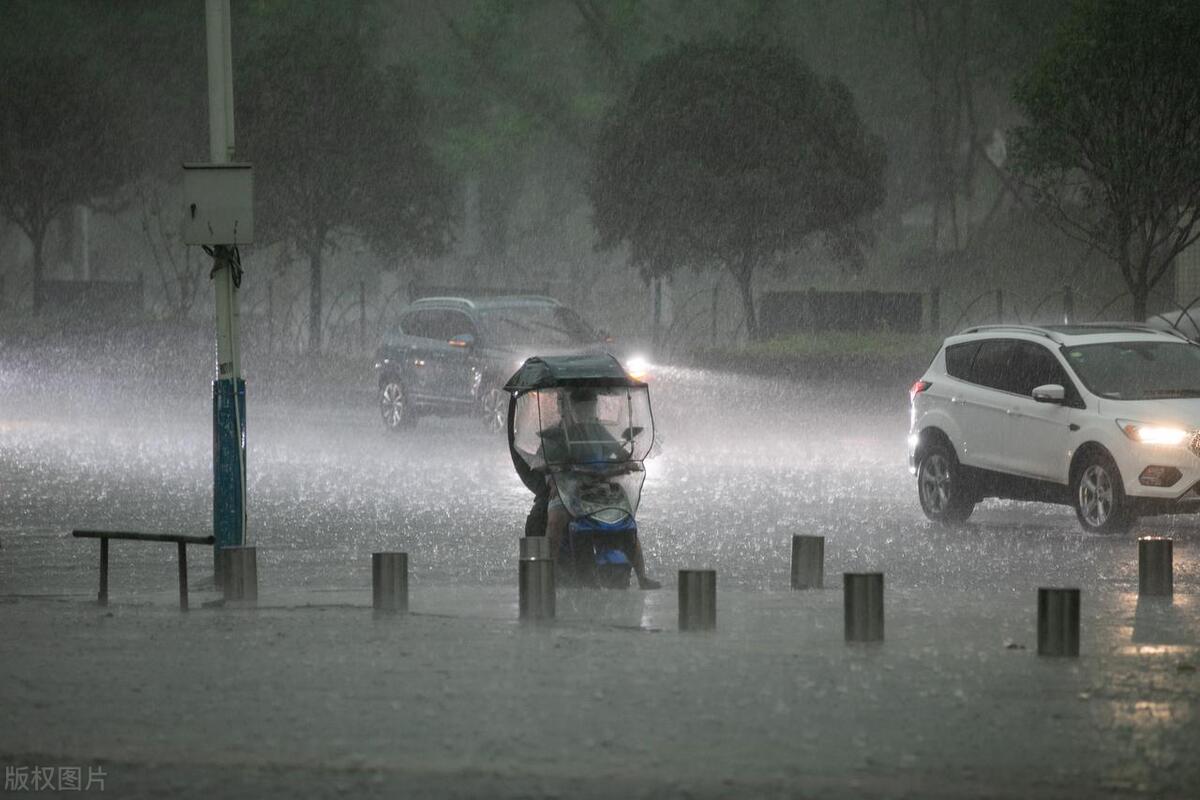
581,430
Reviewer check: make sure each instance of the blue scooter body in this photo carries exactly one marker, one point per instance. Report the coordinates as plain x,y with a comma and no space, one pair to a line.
598,553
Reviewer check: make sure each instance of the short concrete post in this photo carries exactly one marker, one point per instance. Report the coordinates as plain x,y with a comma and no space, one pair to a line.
535,576
389,581
239,566
1155,566
863,597
1058,622
697,599
808,562
535,547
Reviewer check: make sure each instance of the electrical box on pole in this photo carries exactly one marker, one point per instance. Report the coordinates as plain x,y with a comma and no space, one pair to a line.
218,204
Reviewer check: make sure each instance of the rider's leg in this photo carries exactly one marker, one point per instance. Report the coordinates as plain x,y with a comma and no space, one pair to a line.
557,520
639,568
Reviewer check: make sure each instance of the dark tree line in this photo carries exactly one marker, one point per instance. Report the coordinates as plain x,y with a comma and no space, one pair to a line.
735,153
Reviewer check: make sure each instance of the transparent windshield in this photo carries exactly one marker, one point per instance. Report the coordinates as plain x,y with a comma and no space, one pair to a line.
608,494
547,325
1137,370
582,426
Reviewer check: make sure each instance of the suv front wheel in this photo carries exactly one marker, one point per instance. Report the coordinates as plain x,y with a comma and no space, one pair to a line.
394,406
946,496
1098,495
495,410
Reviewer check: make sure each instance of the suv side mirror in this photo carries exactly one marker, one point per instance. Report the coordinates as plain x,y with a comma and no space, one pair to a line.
464,340
1050,393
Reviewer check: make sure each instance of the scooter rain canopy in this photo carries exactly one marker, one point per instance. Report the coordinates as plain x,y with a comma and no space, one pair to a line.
544,372
577,412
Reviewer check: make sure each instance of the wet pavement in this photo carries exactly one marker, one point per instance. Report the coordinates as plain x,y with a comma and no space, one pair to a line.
313,690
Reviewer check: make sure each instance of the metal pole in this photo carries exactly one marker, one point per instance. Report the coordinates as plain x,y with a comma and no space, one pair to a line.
241,574
183,587
229,390
863,598
935,310
102,598
808,562
1155,567
389,581
535,577
1058,622
697,599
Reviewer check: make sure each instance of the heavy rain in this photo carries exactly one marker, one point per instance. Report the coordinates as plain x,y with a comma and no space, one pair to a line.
451,248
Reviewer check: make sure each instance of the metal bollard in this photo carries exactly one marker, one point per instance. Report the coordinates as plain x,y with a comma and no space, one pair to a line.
1058,622
239,566
1155,566
808,562
389,581
697,599
535,575
535,547
863,596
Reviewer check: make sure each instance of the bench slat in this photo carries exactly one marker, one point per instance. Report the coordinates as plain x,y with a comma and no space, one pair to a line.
143,537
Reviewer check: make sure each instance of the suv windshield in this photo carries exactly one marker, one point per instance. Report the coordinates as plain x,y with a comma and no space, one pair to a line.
1137,370
535,325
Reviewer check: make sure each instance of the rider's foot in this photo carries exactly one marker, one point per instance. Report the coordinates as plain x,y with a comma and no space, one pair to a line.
647,584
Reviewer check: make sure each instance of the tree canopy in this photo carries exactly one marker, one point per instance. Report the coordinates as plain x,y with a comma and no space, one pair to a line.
63,133
338,147
1111,150
729,154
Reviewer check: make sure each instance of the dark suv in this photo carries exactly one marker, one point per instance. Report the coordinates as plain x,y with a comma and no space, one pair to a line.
452,355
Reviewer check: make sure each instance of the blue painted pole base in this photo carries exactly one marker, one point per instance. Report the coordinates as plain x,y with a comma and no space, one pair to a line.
229,459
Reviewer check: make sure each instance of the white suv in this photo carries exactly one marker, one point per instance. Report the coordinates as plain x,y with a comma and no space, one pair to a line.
1105,418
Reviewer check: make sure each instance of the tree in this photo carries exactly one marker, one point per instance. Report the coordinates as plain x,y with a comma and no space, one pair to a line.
62,127
730,154
337,147
1111,150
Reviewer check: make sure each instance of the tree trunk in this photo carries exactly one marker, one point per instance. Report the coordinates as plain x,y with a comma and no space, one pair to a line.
745,284
38,269
314,298
1141,296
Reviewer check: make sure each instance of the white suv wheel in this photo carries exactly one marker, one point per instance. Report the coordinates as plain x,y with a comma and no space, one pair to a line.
942,487
1095,495
1099,497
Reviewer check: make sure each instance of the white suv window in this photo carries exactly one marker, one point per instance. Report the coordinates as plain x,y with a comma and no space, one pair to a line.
993,365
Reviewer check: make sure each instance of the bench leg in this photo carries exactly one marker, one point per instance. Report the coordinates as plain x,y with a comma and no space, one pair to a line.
102,599
183,590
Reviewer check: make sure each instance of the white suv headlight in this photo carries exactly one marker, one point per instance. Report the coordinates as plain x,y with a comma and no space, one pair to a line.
1153,434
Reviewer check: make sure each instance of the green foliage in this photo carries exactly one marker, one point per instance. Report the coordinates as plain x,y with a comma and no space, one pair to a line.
337,143
729,154
63,133
1111,150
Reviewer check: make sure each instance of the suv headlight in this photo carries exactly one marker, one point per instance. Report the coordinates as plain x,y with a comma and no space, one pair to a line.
1153,434
637,367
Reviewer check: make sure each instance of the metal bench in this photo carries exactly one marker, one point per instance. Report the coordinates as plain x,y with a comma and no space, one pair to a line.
181,541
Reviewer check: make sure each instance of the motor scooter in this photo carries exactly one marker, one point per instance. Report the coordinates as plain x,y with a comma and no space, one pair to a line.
579,429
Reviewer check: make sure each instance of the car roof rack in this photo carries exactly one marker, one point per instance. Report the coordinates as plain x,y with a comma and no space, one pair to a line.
460,302
1054,332
1034,329
1132,327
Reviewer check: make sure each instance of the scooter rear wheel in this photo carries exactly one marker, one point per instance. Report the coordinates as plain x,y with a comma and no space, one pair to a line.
613,576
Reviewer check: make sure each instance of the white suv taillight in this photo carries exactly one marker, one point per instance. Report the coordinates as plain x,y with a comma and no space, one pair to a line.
917,388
